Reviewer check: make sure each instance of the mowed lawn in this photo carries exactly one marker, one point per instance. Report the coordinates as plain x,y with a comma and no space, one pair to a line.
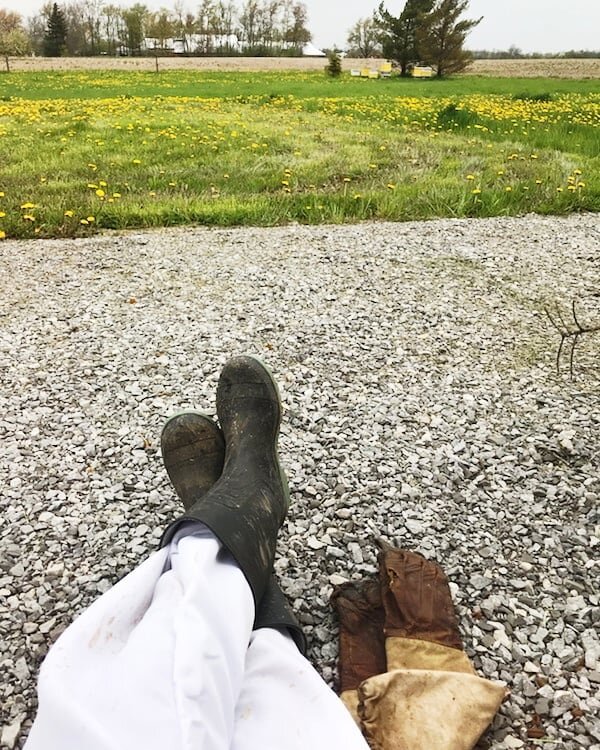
82,151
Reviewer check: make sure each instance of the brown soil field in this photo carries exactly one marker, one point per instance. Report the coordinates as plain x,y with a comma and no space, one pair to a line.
551,68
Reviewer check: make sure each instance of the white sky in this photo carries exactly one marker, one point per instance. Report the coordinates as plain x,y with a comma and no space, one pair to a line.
532,25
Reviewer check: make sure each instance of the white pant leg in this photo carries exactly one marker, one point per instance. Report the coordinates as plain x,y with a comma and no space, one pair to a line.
157,662
285,704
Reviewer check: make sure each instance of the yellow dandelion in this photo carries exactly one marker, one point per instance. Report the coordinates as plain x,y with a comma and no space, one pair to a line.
172,184
508,189
69,214
29,217
534,156
91,219
1,194
152,193
116,195
347,179
226,176
100,193
470,177
372,166
477,191
575,171
357,197
538,182
2,235
581,184
103,183
84,221
2,214
28,205
391,186
559,190
285,182
136,161
500,172
92,186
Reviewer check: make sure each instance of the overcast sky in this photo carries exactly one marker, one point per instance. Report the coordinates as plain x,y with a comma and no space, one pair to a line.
532,25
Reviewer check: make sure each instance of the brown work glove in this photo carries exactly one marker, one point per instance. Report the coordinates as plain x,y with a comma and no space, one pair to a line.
362,651
420,625
423,709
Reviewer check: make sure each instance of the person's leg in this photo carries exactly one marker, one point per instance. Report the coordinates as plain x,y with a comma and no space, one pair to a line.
157,661
285,705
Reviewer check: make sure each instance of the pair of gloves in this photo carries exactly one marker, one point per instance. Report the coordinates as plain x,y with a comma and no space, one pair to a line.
403,673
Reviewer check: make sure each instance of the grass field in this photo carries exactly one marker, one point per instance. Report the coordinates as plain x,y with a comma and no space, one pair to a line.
84,150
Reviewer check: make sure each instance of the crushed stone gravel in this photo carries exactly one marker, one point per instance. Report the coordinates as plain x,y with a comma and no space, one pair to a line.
422,405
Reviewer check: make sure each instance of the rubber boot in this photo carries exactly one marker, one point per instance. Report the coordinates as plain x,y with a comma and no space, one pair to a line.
193,451
247,505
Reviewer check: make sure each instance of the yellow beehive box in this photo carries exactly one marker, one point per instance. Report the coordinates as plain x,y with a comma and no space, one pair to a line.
422,71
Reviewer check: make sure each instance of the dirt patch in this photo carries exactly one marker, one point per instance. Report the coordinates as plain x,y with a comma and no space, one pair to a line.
507,68
554,68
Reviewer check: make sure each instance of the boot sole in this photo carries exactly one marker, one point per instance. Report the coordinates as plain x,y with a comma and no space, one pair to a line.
193,452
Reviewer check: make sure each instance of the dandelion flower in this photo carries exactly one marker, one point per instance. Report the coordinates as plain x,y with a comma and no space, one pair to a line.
84,221
581,184
69,214
28,205
136,161
508,189
116,195
477,191
1,194
29,217
470,177
2,235
391,186
2,214
91,219
100,193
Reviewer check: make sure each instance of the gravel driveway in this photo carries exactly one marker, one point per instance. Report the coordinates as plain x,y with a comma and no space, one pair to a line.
422,404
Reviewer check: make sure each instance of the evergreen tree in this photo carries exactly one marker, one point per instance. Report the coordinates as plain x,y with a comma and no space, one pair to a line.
55,39
399,34
441,35
334,66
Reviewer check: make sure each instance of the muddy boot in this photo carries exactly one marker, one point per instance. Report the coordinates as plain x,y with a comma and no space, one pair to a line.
193,451
247,505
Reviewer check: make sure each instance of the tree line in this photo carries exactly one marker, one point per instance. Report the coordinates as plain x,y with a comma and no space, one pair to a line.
92,27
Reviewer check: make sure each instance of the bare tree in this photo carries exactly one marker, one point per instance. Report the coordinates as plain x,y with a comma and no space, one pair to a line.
250,22
363,38
13,39
206,17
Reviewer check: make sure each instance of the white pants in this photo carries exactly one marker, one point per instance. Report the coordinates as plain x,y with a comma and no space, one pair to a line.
167,659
